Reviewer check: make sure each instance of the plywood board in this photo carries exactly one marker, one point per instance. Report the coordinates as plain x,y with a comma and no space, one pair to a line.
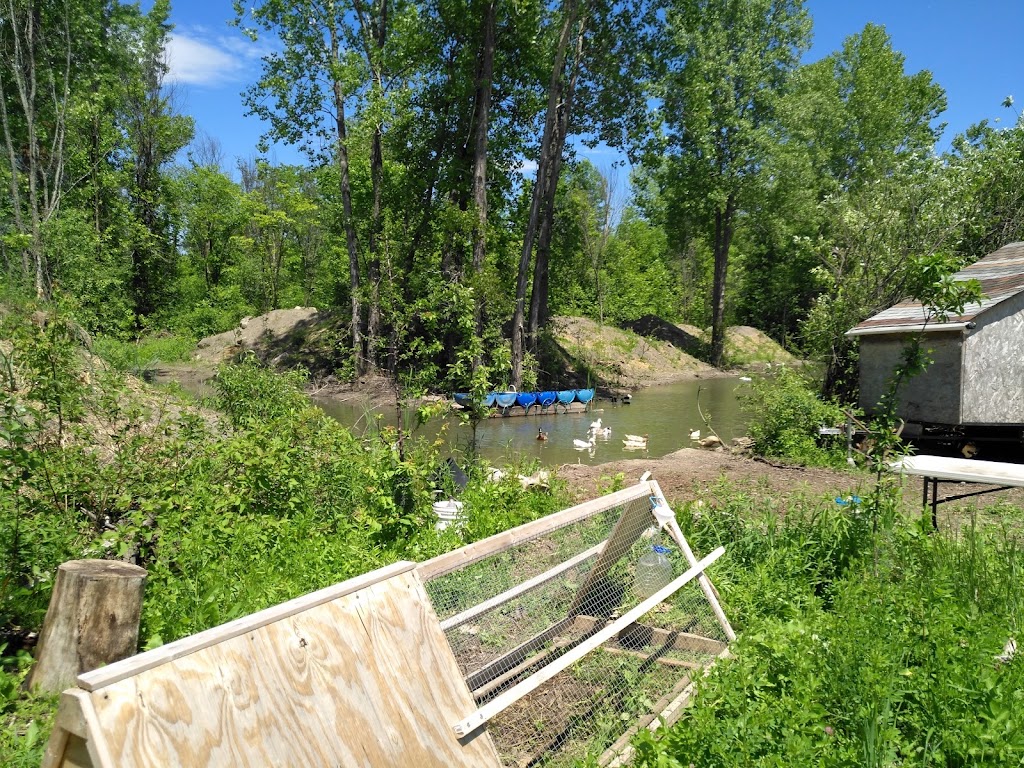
367,679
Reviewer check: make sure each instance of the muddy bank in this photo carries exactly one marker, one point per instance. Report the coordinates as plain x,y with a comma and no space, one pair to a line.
585,353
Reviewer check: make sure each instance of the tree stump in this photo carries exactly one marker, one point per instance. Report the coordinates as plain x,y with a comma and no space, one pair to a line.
92,620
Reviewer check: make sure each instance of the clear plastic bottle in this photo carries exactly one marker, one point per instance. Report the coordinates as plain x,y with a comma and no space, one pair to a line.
653,571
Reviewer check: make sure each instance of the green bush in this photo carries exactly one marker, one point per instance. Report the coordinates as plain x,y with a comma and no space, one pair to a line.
139,356
785,415
857,650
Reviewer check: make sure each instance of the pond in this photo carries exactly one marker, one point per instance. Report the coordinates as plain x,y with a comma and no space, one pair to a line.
668,414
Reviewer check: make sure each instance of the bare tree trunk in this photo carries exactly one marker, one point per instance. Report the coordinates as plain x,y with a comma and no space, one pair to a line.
543,165
723,238
483,110
346,207
375,31
539,297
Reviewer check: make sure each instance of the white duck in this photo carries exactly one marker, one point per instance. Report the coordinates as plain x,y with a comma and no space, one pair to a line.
596,425
695,435
582,445
634,441
606,432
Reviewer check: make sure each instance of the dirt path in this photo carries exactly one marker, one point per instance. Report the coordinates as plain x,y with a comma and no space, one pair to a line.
690,474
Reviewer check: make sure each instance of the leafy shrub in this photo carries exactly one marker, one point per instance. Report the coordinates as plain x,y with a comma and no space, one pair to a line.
884,655
785,415
144,353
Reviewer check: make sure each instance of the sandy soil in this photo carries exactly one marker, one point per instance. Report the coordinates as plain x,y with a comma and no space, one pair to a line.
690,474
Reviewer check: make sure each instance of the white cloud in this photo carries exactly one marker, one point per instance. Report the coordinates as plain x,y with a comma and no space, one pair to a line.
195,62
527,166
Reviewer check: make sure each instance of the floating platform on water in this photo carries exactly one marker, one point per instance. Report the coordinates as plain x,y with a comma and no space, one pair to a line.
552,410
536,410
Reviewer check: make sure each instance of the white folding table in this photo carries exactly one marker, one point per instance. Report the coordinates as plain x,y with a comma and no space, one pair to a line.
936,469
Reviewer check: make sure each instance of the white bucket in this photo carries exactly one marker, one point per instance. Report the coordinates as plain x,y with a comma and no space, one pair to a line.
448,512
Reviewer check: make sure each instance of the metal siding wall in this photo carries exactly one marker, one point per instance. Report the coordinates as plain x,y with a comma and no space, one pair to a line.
933,396
994,366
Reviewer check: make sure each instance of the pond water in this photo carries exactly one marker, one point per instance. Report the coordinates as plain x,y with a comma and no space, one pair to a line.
667,413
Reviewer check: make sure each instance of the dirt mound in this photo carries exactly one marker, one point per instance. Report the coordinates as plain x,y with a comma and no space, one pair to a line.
745,346
686,337
617,358
287,338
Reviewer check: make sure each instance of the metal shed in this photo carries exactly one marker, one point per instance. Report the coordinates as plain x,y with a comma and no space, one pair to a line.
976,378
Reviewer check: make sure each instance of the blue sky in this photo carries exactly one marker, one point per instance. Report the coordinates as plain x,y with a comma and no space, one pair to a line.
971,49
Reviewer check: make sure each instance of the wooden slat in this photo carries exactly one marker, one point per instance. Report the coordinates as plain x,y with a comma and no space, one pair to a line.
471,553
520,669
665,661
76,754
122,670
705,583
622,744
517,655
679,641
625,533
520,589
667,716
468,724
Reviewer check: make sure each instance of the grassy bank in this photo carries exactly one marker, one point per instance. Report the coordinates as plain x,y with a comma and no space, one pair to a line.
231,507
859,649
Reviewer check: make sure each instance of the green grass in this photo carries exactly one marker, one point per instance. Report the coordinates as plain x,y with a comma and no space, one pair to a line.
143,354
858,649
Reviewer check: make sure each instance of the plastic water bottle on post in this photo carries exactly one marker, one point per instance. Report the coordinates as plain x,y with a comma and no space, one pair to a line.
653,571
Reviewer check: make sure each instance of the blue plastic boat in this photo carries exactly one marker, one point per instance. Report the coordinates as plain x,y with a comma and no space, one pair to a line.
584,395
463,399
566,396
505,399
546,399
526,399
488,400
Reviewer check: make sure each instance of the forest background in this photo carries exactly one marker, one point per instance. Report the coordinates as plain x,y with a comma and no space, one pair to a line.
795,197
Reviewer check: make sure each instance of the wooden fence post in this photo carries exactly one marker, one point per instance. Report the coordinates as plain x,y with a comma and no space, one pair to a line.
92,620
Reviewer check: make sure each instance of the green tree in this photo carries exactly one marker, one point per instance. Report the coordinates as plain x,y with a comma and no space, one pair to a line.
727,64
154,136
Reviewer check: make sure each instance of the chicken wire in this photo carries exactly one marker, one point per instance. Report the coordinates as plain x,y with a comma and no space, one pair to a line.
510,614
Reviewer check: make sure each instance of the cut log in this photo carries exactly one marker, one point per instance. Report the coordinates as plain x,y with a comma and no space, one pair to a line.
92,620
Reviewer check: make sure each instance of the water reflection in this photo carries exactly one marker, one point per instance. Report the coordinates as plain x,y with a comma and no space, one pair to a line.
667,414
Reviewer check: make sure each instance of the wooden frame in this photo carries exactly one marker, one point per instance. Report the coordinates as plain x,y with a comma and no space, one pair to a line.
356,674
473,721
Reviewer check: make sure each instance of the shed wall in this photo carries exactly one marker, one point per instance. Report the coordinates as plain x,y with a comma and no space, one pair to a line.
932,396
993,379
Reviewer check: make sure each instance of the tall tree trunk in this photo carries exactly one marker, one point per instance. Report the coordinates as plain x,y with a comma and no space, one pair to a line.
346,208
483,109
539,296
723,238
375,32
543,165
373,267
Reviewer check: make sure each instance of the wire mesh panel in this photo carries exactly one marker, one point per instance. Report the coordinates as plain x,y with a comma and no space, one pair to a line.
513,613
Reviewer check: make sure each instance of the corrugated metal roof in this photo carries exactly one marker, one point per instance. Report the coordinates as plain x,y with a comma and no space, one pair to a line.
1001,275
